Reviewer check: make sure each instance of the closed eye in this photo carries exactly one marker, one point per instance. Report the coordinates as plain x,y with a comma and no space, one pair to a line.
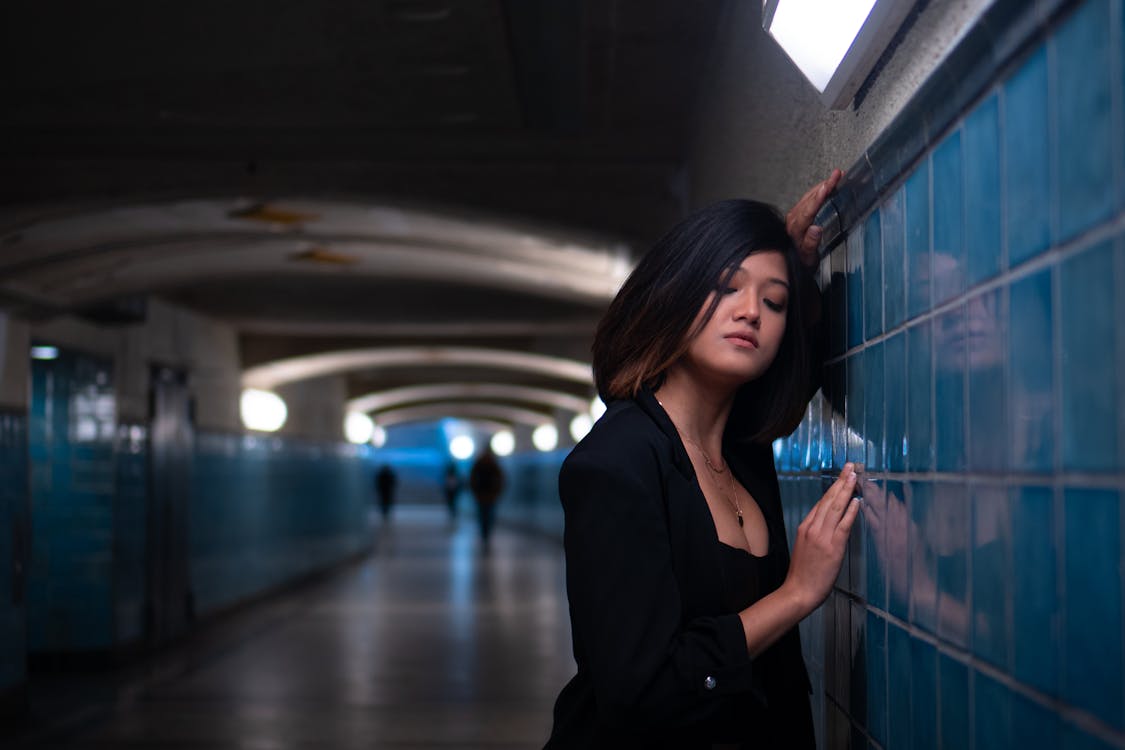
775,306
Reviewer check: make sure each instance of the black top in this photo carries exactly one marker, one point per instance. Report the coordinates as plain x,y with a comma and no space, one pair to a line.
661,653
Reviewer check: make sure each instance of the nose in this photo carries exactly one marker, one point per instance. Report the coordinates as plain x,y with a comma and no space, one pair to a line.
748,309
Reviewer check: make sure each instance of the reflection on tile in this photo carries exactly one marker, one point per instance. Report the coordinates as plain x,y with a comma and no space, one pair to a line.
875,557
948,529
982,191
855,250
949,243
949,391
837,375
873,271
1092,671
1027,188
838,302
992,727
918,273
1084,194
1031,386
919,396
899,667
876,719
874,406
896,542
923,694
984,350
954,703
856,450
1089,377
992,574
894,385
894,271
1074,738
923,557
857,669
1035,602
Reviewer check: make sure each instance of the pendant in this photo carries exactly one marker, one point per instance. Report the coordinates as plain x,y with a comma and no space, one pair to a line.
740,519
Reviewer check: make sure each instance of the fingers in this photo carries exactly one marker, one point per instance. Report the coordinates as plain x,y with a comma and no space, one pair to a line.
834,502
845,525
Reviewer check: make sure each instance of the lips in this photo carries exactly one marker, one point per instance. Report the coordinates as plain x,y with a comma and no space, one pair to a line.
743,339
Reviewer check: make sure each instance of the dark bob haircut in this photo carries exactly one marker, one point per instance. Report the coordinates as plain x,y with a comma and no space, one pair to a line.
649,323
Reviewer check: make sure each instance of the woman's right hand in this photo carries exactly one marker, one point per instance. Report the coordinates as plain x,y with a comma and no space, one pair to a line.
822,539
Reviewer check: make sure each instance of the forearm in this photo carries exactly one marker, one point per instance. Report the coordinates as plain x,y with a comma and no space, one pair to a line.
769,618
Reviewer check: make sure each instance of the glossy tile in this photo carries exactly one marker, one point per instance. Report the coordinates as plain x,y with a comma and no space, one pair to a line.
982,191
985,347
856,302
992,574
876,687
949,259
1074,738
992,714
924,696
919,397
948,534
923,560
874,534
855,410
1033,724
1031,351
838,302
1036,613
900,672
1089,406
896,542
954,703
1027,160
894,260
874,406
894,389
949,390
919,275
1084,193
1094,665
873,276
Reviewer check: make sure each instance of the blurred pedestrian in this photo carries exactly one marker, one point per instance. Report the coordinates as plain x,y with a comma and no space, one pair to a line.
486,480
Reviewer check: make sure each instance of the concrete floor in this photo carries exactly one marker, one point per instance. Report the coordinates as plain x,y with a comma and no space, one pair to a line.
427,644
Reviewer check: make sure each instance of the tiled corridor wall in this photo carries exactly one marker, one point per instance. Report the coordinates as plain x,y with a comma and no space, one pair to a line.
978,361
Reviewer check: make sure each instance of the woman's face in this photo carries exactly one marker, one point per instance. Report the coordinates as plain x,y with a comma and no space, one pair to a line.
742,338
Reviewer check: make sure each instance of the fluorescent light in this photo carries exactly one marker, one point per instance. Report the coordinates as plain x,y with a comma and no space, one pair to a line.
580,426
503,443
262,410
358,428
378,436
462,447
545,437
834,43
44,352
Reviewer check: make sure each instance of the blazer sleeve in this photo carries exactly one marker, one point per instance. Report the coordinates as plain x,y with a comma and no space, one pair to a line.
648,668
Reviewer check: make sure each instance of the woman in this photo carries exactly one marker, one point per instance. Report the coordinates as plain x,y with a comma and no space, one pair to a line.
683,599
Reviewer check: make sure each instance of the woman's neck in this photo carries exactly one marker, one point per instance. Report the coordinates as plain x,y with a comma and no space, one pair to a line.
698,410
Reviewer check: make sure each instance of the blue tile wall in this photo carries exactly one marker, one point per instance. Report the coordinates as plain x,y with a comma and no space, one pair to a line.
14,502
259,518
987,579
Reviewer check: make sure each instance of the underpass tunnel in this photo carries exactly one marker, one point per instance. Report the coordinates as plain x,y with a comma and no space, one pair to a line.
274,279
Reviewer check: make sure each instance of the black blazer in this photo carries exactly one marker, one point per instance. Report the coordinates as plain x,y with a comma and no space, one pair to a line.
660,663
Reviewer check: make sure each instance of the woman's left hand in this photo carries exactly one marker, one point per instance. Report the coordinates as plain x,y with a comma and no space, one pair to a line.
799,220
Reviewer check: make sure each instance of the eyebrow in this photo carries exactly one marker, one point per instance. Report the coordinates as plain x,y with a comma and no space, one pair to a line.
769,280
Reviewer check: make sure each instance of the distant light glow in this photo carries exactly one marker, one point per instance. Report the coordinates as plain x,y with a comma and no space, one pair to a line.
580,426
816,34
503,443
378,436
358,428
597,408
44,352
545,437
262,410
462,447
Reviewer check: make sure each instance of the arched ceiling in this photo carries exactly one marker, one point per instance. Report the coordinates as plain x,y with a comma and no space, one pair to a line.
364,175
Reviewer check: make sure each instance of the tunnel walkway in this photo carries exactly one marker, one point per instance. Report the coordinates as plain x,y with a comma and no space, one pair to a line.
428,643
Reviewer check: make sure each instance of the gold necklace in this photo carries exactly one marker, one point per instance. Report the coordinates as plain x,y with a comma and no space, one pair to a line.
734,504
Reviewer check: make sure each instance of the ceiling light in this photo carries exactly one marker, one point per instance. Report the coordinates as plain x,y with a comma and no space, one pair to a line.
835,43
358,428
545,437
44,352
462,447
503,443
262,410
580,426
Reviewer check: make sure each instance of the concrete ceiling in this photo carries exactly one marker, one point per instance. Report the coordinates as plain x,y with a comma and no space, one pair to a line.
349,175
